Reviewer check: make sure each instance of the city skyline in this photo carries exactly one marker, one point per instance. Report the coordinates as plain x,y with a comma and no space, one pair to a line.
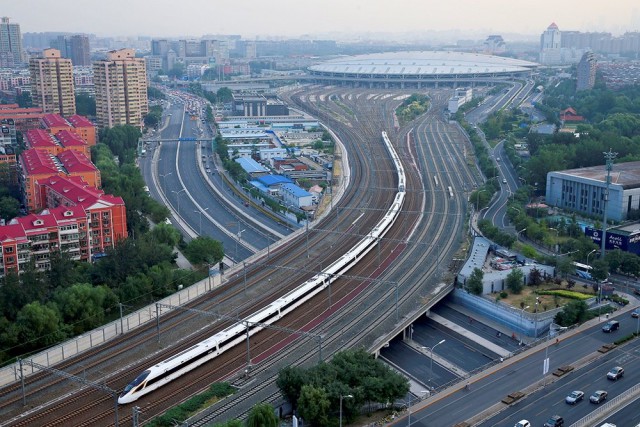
330,19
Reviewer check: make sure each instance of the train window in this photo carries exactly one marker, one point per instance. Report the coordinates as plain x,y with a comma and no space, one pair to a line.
143,376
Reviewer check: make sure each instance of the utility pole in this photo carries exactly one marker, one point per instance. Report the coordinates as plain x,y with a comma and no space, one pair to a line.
608,157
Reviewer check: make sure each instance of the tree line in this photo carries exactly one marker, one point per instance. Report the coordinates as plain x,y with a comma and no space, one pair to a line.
41,308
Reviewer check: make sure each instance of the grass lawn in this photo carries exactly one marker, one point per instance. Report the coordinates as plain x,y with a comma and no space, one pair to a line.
547,302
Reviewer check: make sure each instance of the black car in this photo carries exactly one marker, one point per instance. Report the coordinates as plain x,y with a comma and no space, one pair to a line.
555,421
610,326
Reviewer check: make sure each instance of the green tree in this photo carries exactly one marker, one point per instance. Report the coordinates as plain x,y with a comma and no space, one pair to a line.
224,94
165,233
290,381
515,280
565,266
314,405
573,313
204,249
600,269
84,306
474,282
64,271
262,415
85,105
155,93
9,207
39,326
24,100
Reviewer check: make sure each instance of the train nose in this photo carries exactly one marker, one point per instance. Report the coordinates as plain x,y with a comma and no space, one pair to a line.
124,399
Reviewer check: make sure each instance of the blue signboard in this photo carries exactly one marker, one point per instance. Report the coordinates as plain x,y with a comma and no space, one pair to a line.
624,242
186,139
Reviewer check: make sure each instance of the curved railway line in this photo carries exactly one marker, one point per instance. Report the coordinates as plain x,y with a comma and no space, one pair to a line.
404,253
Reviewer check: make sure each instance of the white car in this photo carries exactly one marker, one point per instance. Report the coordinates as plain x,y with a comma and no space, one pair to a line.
523,423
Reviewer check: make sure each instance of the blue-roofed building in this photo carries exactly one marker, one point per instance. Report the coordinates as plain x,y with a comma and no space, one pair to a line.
274,180
296,196
270,184
252,167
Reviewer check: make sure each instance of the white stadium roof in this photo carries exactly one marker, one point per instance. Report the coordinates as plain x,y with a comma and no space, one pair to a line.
426,63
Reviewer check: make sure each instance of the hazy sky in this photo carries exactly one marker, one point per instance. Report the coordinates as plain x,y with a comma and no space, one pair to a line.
251,18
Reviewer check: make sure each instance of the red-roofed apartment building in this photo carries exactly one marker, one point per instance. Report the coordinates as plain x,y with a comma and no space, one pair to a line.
36,165
79,125
83,127
24,118
73,141
77,164
82,222
42,140
64,139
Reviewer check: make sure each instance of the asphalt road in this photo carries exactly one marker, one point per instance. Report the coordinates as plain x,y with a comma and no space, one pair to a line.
490,389
191,198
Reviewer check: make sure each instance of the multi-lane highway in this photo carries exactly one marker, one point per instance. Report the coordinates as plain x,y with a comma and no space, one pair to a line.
202,203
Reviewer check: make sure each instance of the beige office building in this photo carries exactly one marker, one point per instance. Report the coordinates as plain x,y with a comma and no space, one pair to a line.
121,89
52,83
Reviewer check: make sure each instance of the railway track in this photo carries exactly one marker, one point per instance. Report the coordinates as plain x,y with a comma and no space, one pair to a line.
115,381
327,313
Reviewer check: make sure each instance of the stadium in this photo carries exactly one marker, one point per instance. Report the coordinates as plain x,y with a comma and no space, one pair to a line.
419,69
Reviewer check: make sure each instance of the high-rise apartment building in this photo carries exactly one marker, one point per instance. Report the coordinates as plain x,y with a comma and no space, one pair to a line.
11,52
52,86
586,72
121,89
75,47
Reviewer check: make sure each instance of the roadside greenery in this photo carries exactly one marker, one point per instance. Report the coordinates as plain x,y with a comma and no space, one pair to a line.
178,414
315,392
153,117
412,107
42,308
474,282
515,280
567,294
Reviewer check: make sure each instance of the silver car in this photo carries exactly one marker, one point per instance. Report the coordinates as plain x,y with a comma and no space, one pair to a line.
574,397
598,396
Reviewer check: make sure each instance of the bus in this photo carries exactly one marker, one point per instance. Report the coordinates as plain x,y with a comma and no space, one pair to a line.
583,270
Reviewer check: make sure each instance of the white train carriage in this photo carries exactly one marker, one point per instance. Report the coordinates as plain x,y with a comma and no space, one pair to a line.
189,359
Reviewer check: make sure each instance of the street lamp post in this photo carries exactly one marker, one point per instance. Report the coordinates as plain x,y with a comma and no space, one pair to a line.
431,365
536,319
238,240
178,196
200,212
589,254
518,233
348,396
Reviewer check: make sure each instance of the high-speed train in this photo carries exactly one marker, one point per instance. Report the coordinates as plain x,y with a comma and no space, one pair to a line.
160,374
